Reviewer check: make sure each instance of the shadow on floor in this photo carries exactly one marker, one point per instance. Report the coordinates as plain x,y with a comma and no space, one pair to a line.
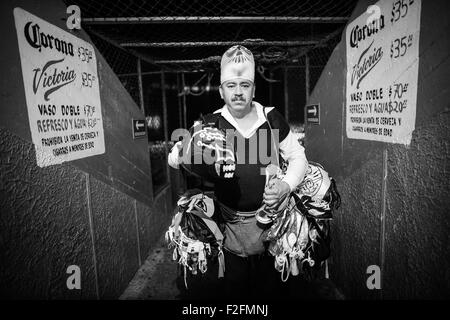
158,279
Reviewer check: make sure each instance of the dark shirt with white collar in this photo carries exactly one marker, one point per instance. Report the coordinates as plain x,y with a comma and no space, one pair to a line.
254,150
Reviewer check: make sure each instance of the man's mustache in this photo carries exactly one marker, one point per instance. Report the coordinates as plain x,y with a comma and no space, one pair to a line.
238,98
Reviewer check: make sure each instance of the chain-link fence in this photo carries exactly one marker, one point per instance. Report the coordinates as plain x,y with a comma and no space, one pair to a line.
192,35
318,57
164,8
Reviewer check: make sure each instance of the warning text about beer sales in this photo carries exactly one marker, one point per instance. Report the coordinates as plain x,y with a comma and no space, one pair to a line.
68,128
378,111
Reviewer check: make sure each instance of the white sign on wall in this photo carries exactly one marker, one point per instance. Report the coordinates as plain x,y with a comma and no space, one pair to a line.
62,91
382,68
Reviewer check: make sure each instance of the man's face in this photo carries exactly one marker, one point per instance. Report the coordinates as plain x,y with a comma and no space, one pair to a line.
237,94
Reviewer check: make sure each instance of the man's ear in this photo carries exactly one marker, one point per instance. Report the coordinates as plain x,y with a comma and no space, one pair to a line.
221,91
254,88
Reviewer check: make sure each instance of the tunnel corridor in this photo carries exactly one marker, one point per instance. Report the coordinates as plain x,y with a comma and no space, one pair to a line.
96,94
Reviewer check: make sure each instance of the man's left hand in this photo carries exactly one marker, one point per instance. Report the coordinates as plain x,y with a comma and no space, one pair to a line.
275,193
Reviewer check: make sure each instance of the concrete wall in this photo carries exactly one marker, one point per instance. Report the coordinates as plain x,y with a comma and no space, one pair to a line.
415,258
98,213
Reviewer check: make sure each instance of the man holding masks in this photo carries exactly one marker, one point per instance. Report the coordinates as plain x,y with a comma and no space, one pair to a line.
257,131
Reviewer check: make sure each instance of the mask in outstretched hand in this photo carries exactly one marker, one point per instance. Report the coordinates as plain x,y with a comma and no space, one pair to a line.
208,152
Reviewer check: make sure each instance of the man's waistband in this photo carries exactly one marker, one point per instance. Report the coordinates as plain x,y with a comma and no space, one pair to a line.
231,215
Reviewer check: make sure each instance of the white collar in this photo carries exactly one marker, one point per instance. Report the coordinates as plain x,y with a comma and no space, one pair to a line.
248,133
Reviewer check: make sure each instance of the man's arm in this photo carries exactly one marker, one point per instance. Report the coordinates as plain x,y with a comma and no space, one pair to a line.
276,193
292,151
174,158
